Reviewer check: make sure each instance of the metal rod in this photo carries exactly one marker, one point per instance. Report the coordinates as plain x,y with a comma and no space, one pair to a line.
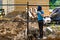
27,20
7,6
43,5
26,5
14,4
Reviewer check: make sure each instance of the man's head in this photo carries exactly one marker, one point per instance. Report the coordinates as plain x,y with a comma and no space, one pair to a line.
39,8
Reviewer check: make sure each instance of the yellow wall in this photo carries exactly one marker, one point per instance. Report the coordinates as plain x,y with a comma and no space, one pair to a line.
20,1
44,3
40,2
33,2
20,8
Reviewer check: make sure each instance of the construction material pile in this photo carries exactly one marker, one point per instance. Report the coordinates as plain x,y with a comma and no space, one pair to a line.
51,33
13,30
16,29
55,36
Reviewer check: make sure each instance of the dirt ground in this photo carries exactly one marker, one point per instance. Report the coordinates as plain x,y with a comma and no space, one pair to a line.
10,30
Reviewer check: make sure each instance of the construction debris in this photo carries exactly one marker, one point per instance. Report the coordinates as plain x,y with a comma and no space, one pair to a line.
16,29
13,30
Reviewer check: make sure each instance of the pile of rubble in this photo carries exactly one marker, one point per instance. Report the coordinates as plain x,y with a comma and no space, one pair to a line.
50,34
13,30
54,36
16,29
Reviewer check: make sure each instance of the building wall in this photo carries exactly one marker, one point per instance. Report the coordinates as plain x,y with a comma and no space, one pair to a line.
40,2
6,8
44,3
33,2
20,8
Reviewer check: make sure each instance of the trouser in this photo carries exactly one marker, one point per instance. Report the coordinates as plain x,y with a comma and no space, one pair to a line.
40,24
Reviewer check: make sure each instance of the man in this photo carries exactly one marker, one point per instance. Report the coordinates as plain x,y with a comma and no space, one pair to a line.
40,15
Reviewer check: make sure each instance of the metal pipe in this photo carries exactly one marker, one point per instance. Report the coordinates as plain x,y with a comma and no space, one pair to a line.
27,22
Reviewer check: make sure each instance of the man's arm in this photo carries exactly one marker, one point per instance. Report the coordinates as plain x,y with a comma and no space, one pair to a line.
42,13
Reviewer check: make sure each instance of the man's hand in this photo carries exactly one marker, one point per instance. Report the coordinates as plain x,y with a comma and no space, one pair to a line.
42,15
